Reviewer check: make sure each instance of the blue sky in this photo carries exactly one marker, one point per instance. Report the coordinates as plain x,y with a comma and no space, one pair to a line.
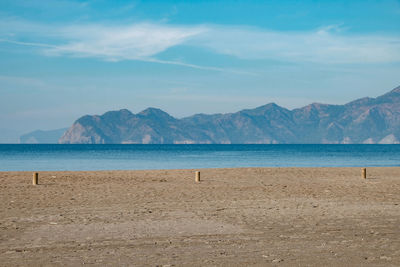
60,60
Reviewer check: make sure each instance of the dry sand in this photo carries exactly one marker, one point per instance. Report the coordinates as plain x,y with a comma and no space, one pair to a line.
234,217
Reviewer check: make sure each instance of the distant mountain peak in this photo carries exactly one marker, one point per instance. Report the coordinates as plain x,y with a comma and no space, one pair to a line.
152,110
390,97
42,137
269,106
155,113
396,90
361,101
125,111
121,112
262,110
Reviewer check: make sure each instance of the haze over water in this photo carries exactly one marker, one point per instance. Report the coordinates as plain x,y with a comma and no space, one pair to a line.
140,157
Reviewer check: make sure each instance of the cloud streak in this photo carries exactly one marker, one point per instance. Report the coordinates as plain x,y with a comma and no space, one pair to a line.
132,42
144,41
327,45
27,43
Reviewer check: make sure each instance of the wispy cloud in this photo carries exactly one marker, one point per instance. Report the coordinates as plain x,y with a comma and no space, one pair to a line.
140,42
144,41
194,66
27,43
133,42
326,45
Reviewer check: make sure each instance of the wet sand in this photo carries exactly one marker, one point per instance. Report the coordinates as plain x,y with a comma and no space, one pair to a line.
233,217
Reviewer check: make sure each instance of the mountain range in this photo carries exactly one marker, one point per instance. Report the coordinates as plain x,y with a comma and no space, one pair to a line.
42,137
366,120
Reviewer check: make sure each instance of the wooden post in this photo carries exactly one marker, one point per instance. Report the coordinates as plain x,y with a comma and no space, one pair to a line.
35,179
364,173
197,179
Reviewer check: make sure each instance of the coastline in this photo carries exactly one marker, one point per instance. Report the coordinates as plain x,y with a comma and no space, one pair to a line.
146,157
234,216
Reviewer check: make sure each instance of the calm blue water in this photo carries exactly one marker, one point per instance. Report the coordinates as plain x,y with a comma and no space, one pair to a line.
130,157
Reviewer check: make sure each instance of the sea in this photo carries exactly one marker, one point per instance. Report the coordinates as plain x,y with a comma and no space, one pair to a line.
54,157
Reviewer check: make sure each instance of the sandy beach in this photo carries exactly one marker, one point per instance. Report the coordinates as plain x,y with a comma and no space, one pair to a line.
233,217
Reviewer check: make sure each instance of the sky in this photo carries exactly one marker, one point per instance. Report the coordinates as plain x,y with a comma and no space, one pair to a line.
60,60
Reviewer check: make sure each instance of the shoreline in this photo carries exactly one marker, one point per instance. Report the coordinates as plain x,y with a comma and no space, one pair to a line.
233,216
204,169
172,157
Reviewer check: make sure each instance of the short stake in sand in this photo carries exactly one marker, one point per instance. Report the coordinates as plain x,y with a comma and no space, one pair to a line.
35,179
364,173
197,178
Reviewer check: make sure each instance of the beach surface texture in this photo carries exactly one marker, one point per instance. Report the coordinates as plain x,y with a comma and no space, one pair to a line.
232,217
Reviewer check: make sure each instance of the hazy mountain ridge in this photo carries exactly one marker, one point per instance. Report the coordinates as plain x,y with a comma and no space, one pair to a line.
42,137
366,120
